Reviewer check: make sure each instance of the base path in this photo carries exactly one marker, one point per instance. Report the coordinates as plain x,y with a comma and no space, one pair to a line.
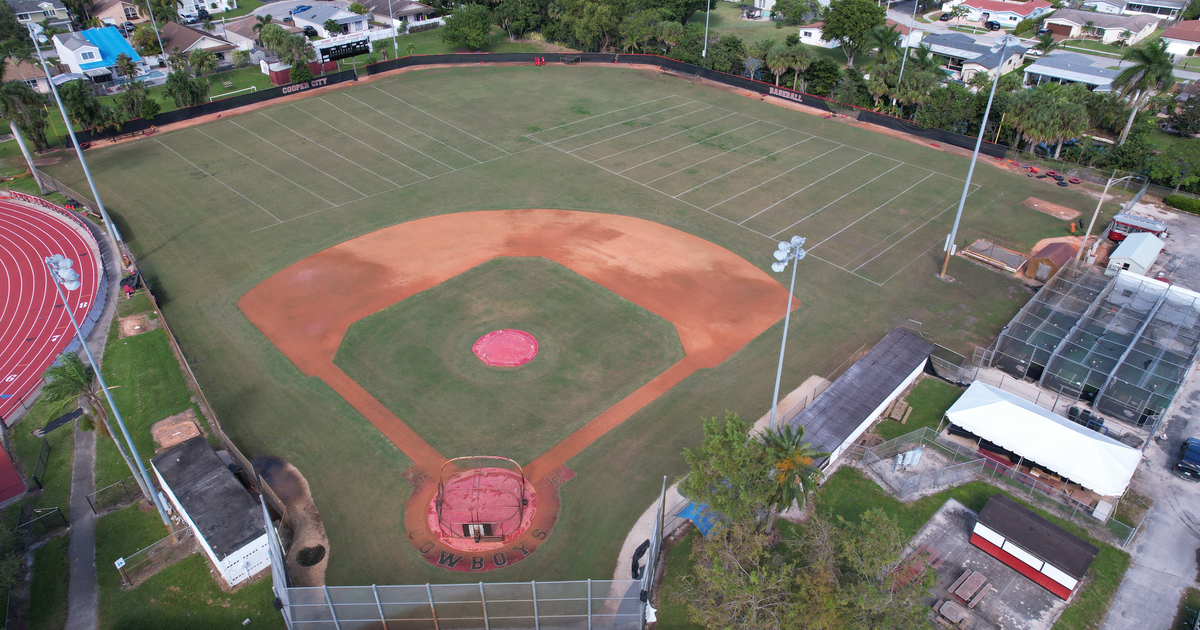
716,300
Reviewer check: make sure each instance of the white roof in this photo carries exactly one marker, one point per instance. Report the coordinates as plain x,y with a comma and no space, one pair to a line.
1092,460
1142,248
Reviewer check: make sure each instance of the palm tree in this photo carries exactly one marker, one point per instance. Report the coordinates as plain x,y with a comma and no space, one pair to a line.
802,58
886,41
202,62
1151,70
791,466
1045,43
125,66
20,104
779,60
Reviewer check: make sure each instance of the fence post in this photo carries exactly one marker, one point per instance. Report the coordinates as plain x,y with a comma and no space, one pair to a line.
537,623
483,601
589,603
332,611
432,610
379,605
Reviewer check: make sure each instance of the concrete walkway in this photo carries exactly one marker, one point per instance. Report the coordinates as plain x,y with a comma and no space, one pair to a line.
82,598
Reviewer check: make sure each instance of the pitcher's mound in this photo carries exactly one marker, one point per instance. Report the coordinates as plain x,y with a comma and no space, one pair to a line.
506,348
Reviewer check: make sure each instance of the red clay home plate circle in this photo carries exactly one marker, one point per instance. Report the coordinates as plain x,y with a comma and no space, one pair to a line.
506,348
498,499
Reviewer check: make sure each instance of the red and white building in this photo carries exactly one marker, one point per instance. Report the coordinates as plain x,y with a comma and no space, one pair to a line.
1049,555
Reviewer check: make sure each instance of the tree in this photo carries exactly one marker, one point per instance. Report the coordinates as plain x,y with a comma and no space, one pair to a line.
729,472
1179,165
241,58
1150,70
300,73
202,62
800,59
125,67
150,109
517,17
133,98
822,76
10,28
869,554
332,27
468,26
82,105
959,12
164,10
885,40
260,21
23,108
1185,118
272,36
729,55
145,41
1045,43
639,29
779,60
358,8
185,90
792,469
849,22
790,12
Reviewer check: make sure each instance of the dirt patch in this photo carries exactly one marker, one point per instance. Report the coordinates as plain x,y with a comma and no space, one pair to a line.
135,325
174,430
308,554
1052,209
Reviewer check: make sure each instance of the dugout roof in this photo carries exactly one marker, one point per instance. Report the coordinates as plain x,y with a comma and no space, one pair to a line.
1049,542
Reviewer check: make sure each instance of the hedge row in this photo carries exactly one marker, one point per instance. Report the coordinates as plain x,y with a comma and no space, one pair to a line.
1187,204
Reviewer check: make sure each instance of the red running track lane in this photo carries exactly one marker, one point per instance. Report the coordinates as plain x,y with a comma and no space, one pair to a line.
34,327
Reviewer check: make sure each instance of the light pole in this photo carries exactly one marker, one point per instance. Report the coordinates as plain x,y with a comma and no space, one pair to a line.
154,23
60,275
789,251
108,224
1003,42
904,59
1112,180
395,46
707,12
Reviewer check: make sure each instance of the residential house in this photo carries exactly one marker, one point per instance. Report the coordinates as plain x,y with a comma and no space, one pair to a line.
1163,9
401,10
31,73
191,8
1070,68
116,12
811,35
240,31
185,39
1008,14
317,16
1107,27
93,52
962,56
37,11
1183,39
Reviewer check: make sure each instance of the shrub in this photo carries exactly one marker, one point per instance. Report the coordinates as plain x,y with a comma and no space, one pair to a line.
301,73
423,27
1187,204
150,108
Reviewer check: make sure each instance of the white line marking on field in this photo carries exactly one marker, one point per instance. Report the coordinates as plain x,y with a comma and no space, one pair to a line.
390,135
865,156
297,158
692,145
756,186
856,189
716,156
933,207
640,146
622,122
318,118
769,155
328,150
877,208
277,173
411,128
936,243
444,122
534,133
640,129
193,165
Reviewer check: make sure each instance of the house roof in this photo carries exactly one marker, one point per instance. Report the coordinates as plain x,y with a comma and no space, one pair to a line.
900,28
1120,4
999,6
399,7
1058,253
1073,67
108,41
815,25
1049,542
33,6
104,5
184,37
843,406
1187,30
319,15
24,70
1132,23
244,27
1174,4
223,511
73,41
963,47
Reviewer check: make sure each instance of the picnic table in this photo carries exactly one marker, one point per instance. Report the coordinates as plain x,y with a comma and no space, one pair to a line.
970,588
953,612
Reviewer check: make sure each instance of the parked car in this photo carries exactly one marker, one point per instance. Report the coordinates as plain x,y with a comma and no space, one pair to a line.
300,9
1043,31
310,31
1033,52
1188,465
188,19
287,18
202,13
992,25
127,27
945,17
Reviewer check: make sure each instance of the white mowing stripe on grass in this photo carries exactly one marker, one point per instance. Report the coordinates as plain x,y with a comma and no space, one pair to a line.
865,156
758,185
382,132
933,207
640,129
231,189
854,222
409,127
622,122
769,155
534,133
327,149
694,144
856,189
717,155
444,122
927,222
664,138
297,158
318,118
937,243
277,173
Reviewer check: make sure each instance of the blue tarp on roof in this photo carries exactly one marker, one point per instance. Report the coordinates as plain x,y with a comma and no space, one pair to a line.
110,43
701,516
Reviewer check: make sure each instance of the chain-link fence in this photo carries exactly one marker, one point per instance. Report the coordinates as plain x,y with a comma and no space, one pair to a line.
149,560
114,495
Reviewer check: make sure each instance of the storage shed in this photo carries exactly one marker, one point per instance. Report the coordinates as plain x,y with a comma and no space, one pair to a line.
1046,261
1136,253
227,521
1049,555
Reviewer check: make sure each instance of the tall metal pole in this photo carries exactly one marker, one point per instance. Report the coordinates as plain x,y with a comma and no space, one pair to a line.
1112,180
707,12
395,46
108,224
154,23
137,458
904,59
787,318
962,202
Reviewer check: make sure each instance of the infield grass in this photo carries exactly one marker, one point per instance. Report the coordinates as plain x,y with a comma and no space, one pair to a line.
214,209
594,348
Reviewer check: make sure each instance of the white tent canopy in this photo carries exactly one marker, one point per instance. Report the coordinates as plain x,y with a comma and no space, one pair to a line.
1092,460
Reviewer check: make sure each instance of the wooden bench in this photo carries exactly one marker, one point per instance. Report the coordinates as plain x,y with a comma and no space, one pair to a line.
979,596
227,84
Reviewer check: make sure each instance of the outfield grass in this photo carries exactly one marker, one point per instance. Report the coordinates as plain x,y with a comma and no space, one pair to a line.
48,588
929,401
594,348
182,596
459,139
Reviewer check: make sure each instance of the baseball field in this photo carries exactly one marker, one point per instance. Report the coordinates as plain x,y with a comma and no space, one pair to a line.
327,263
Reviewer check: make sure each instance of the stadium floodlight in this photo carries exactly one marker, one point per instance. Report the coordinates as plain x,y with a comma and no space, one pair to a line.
395,46
61,275
95,193
707,12
1001,46
1111,180
789,251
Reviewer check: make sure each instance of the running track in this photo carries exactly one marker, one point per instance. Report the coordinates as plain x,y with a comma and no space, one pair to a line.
34,327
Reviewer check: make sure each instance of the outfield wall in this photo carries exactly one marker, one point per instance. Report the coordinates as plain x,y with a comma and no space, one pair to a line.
671,65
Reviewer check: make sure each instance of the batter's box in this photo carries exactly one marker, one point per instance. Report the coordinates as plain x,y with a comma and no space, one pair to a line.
415,477
559,476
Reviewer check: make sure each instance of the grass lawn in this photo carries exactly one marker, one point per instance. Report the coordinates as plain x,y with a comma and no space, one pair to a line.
244,7
241,78
726,19
1161,140
211,215
1094,46
1189,608
147,386
672,615
929,401
56,490
430,43
48,589
182,596
595,348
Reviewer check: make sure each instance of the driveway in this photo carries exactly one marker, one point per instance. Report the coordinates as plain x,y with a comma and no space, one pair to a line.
279,10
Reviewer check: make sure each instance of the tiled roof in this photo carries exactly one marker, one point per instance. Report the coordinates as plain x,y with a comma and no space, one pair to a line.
1132,23
1187,30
